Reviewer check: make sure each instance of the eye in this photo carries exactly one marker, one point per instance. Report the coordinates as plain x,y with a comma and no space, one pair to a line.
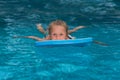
54,34
61,34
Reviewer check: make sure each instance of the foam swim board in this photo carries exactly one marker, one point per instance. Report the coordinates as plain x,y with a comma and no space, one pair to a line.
76,42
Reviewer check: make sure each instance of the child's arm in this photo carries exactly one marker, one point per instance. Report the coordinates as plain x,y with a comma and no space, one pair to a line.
40,28
35,38
75,29
31,37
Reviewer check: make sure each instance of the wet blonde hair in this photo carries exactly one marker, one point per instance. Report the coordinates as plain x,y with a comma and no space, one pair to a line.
58,22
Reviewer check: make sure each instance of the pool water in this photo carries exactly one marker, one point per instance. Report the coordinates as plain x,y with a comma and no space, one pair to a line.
20,59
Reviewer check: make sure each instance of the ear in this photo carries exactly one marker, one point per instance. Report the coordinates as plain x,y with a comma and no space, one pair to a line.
48,37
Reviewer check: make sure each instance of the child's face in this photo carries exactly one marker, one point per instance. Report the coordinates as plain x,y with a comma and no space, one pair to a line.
58,33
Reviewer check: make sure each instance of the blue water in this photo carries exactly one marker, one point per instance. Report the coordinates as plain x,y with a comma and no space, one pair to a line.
20,59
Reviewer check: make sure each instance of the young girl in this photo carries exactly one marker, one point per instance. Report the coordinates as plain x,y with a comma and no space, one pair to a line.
57,30
45,32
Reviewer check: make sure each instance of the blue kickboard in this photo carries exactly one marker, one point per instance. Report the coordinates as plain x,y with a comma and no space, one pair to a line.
55,43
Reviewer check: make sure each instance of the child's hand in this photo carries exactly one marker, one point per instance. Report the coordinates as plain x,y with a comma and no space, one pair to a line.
30,36
15,36
39,26
79,27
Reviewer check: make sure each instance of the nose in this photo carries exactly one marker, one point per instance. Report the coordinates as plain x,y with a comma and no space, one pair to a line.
57,37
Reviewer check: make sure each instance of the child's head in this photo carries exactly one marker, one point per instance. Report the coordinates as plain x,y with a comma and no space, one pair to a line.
58,30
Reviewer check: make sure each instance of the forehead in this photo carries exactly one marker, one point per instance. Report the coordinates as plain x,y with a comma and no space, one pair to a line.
58,27
58,30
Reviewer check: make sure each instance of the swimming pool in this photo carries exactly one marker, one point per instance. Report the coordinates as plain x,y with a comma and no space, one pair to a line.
20,59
